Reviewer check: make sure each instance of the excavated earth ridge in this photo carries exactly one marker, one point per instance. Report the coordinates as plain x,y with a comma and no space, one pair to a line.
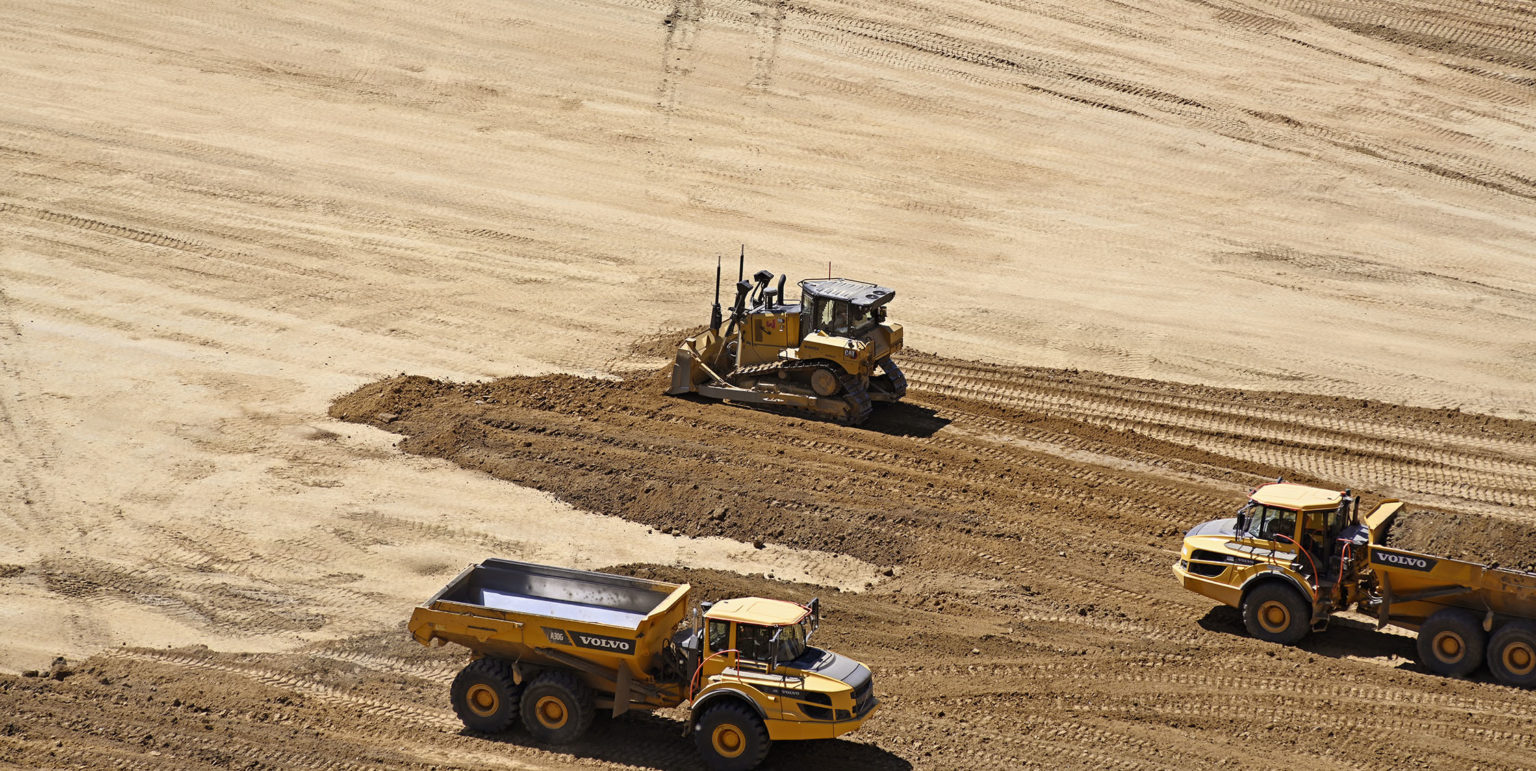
1027,519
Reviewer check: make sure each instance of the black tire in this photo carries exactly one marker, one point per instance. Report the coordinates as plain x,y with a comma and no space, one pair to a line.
557,707
1276,613
1451,642
1512,654
485,697
730,737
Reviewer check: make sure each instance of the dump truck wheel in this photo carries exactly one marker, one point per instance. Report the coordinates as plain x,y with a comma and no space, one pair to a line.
1512,654
485,697
1276,613
557,707
731,738
1451,642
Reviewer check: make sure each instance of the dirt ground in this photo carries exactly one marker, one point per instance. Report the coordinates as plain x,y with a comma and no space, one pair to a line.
1028,618
1293,235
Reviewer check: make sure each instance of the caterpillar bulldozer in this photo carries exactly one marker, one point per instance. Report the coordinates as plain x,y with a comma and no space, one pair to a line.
828,354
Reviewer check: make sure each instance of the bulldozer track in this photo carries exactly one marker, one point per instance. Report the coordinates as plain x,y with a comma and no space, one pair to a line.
1419,462
1214,414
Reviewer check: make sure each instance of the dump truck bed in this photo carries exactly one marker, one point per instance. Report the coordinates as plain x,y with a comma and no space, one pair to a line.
598,623
556,593
1412,586
576,611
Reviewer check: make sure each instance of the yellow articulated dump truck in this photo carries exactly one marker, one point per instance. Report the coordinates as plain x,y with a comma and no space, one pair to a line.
555,645
1294,555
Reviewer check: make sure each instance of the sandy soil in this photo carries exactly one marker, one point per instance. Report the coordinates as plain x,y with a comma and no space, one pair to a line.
216,220
1029,617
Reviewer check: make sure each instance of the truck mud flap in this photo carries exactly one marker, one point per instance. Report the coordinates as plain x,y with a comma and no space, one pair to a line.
621,691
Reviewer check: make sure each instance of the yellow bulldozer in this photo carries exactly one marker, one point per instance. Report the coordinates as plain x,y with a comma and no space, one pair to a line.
829,353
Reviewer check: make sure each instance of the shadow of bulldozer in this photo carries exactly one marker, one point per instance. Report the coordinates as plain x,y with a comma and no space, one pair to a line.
891,419
905,419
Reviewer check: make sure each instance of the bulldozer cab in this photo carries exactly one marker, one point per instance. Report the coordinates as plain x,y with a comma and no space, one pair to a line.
840,307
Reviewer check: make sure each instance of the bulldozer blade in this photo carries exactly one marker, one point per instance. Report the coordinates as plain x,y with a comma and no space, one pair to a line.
689,370
831,407
683,373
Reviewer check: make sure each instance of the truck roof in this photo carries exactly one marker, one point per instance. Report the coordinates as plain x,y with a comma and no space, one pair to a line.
1291,496
860,293
757,610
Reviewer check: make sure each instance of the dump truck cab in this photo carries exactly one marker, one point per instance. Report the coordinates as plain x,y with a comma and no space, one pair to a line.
1280,559
758,651
1304,521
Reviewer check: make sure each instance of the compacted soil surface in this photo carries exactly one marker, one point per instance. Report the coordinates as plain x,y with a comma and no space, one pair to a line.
1297,234
1022,521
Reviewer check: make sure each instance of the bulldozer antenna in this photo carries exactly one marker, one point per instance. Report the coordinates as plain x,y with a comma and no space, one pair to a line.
829,269
741,267
714,313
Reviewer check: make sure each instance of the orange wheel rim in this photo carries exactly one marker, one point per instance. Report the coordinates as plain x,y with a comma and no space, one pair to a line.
482,700
1519,658
551,712
728,741
1449,646
1274,616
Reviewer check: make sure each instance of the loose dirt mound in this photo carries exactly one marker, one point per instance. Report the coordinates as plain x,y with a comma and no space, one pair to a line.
1029,516
979,440
1471,537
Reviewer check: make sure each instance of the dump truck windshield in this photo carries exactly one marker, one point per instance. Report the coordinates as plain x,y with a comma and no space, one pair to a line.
792,640
757,643
1268,522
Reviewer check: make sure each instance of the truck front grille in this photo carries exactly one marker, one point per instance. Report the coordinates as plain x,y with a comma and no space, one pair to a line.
864,696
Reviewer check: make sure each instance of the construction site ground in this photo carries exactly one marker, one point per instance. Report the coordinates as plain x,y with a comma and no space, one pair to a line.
1023,520
304,307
